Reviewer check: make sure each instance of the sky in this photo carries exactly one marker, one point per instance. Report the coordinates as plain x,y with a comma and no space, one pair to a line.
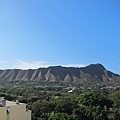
42,33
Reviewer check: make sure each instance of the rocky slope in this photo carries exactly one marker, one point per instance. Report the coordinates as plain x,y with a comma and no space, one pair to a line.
59,73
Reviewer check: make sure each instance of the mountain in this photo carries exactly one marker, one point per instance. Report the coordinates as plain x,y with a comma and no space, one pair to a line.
59,73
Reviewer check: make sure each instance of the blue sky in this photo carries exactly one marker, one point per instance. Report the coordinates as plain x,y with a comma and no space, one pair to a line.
39,33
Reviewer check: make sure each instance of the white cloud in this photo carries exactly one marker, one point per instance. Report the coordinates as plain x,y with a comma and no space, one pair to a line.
74,65
37,64
33,65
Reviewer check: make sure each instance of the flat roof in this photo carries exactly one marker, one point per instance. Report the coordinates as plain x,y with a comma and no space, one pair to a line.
11,103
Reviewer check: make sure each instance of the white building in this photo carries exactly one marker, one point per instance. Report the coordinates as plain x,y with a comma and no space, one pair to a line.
13,110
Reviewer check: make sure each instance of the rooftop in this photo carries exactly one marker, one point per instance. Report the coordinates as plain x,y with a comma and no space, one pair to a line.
11,103
7,103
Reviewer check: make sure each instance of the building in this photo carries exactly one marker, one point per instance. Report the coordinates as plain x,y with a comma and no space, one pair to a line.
13,110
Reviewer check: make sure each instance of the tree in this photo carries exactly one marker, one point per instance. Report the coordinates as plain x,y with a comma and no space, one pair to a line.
48,107
36,108
62,116
94,105
66,105
115,97
94,99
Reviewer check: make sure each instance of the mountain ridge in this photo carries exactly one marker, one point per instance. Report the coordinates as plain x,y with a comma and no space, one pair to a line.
59,73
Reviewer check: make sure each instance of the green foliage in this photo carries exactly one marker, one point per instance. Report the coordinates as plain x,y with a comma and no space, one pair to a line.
115,97
94,99
54,103
66,105
48,107
36,108
62,116
95,105
7,96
